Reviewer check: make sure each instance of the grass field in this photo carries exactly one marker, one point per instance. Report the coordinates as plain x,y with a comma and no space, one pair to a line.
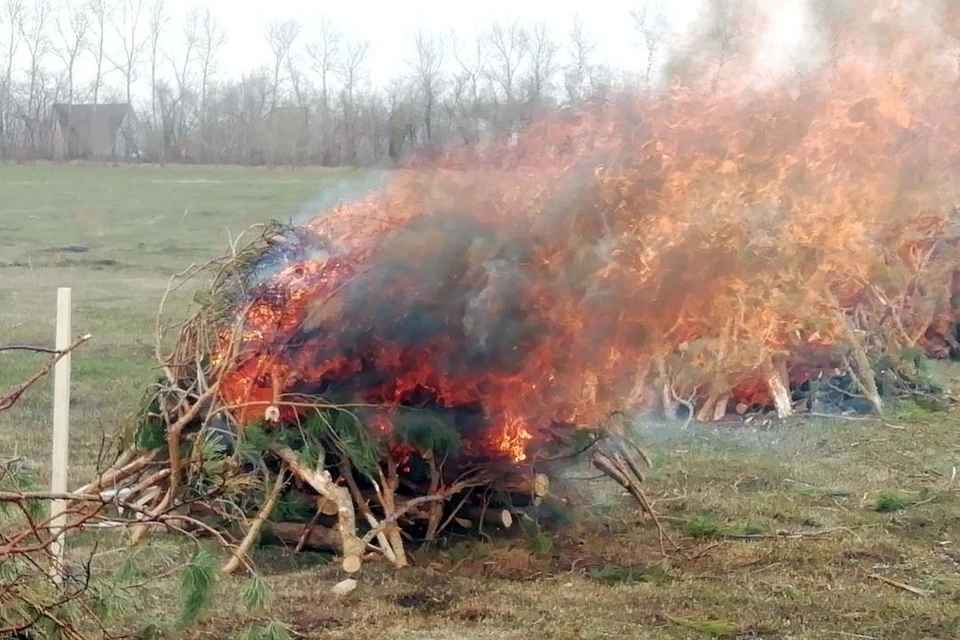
787,531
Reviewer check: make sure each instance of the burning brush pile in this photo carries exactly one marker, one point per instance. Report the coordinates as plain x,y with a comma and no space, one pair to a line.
418,358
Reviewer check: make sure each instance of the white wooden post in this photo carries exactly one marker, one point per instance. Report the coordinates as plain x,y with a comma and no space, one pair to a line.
61,431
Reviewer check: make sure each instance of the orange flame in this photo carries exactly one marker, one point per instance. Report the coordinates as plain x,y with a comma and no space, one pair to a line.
701,233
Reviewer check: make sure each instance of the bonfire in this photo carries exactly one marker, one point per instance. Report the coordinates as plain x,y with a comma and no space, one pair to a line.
420,358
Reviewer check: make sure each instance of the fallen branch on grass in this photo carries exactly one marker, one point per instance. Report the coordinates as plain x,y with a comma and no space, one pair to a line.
899,585
785,535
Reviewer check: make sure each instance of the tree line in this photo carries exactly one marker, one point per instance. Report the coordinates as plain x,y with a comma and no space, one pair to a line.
312,102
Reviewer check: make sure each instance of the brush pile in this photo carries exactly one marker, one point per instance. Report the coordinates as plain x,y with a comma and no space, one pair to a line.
415,356
267,425
262,427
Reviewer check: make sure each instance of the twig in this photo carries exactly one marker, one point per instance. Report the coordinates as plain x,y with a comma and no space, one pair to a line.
19,347
409,505
838,416
953,477
11,398
899,585
786,535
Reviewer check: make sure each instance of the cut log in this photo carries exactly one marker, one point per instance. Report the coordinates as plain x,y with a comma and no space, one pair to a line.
326,506
720,412
671,408
779,390
714,408
312,536
536,485
351,564
476,515
323,483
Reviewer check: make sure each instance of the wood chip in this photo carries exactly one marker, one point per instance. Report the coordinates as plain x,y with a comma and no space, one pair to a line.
344,587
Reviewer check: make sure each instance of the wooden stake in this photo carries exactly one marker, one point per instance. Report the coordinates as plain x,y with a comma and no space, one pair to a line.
61,432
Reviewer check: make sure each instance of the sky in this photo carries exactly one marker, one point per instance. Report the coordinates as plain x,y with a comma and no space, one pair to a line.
389,25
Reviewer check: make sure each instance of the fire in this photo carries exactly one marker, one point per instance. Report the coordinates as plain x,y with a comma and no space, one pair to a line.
511,438
702,237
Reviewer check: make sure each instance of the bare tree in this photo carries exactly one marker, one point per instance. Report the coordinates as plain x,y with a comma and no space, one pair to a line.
181,68
400,117
472,61
13,14
158,21
650,19
324,54
350,71
577,72
132,43
33,28
212,39
351,74
509,46
73,24
280,34
99,16
542,52
427,67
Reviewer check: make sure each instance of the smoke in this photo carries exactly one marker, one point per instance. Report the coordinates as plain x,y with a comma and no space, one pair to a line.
691,237
345,187
745,43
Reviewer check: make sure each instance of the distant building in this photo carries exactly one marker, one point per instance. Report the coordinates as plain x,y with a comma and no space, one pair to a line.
94,132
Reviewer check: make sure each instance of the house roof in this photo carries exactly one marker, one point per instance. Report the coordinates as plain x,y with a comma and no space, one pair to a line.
85,117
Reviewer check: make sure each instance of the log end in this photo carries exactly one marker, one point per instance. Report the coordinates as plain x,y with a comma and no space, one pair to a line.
352,564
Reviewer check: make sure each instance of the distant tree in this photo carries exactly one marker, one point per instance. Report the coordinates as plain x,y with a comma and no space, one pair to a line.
280,34
351,73
427,69
324,54
541,50
132,44
158,22
472,76
73,25
722,34
650,19
13,15
577,71
181,64
99,16
508,48
33,28
400,117
212,39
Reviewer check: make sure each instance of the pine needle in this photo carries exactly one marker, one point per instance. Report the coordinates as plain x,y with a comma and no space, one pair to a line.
273,630
257,595
198,582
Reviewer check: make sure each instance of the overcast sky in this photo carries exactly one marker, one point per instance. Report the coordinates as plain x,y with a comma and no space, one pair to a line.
390,25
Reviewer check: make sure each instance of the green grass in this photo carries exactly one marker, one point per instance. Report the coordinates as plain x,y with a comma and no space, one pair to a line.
794,511
135,227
